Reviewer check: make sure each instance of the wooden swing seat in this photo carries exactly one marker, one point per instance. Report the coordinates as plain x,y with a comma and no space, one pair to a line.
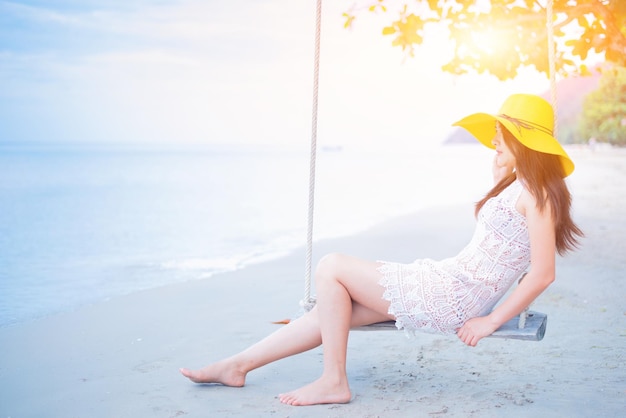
528,326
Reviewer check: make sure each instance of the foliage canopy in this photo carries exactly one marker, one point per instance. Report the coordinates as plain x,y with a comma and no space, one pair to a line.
604,110
500,36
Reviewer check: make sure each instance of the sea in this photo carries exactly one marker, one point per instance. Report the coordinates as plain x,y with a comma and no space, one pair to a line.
84,223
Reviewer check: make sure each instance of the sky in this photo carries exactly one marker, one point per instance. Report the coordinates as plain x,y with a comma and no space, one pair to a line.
237,71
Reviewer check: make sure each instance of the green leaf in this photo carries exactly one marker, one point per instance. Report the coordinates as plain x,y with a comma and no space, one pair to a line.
389,30
349,20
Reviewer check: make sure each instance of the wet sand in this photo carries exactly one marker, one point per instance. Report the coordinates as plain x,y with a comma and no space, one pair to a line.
120,358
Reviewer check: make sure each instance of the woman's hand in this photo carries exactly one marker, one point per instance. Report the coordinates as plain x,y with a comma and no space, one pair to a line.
499,172
475,330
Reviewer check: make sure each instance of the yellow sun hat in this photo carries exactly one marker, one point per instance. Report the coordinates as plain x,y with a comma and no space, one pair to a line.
529,118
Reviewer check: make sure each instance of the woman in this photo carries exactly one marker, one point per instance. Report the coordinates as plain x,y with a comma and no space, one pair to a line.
522,222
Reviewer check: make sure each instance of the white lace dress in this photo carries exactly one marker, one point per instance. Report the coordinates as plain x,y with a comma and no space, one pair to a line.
440,296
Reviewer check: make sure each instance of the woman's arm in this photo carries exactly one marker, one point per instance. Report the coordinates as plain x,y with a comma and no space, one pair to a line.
540,276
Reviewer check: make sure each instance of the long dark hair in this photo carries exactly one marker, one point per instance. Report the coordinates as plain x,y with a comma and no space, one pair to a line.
543,176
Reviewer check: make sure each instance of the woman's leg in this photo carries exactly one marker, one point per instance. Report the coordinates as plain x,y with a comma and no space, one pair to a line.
305,333
341,282
299,335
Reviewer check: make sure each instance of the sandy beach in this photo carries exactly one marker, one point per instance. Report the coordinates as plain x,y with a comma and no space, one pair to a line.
120,358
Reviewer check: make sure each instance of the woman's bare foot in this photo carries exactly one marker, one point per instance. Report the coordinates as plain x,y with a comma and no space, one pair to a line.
221,372
322,391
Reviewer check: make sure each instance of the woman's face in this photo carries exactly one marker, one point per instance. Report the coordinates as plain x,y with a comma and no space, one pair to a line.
504,156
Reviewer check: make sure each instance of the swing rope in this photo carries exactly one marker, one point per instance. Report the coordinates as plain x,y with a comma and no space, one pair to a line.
551,62
309,302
